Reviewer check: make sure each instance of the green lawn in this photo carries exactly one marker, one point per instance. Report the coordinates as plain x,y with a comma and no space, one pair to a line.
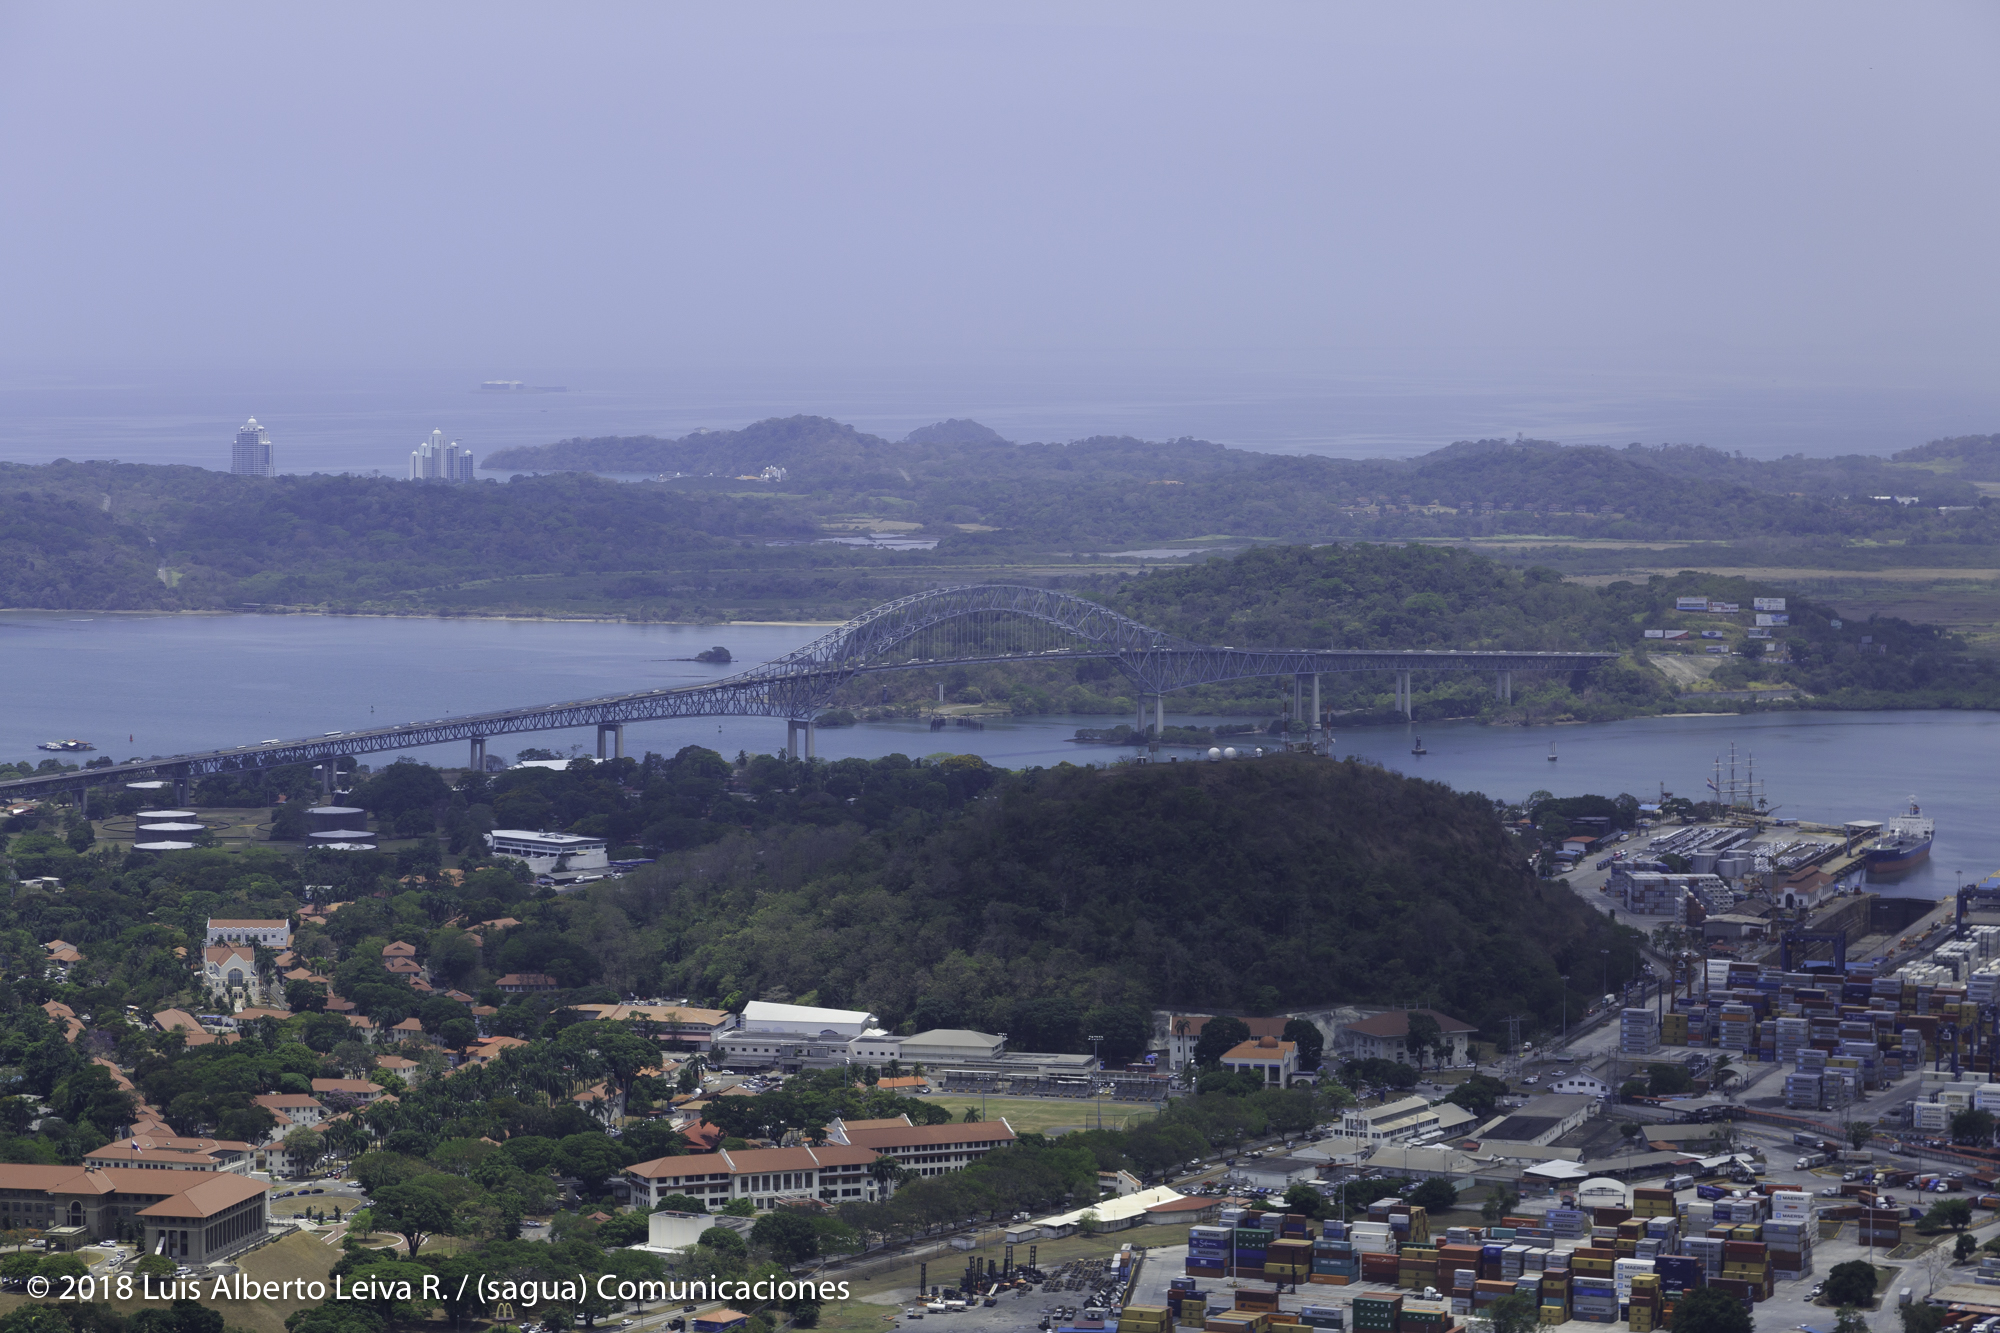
1040,1115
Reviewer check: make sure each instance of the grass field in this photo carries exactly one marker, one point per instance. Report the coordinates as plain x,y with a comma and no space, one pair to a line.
1042,1115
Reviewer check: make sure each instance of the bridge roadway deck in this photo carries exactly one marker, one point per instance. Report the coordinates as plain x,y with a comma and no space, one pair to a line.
795,694
966,621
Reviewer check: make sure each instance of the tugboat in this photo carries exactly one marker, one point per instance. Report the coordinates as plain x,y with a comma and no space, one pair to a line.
1418,748
66,747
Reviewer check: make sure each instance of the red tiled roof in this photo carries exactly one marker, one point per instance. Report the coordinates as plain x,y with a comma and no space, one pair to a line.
897,1137
1191,1026
169,1020
216,1194
1396,1023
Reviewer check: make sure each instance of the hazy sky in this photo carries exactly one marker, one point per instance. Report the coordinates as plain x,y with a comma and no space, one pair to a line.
1762,191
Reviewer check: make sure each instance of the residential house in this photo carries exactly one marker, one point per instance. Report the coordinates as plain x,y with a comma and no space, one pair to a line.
61,956
72,1026
294,1110
179,1020
350,1089
516,983
406,1069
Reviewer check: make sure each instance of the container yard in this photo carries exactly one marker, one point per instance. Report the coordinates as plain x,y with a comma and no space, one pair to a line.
1393,1273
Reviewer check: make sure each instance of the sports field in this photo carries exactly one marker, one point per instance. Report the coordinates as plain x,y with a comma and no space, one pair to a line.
1043,1115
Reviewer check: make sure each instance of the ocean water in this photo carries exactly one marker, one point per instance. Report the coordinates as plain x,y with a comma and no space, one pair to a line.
341,423
142,685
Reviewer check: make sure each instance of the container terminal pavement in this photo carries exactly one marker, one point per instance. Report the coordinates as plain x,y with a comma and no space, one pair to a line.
1627,1263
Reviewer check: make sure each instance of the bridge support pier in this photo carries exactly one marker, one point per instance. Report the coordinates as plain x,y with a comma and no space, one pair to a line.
616,731
1317,715
1503,686
795,728
1403,704
477,760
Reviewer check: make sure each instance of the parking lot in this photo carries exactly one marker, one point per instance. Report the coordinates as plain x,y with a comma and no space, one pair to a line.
294,1198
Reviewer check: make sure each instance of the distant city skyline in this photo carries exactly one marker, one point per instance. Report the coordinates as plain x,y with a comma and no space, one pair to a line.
437,459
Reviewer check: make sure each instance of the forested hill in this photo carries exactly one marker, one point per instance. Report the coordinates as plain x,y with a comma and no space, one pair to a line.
121,536
1256,885
1112,488
1382,596
718,542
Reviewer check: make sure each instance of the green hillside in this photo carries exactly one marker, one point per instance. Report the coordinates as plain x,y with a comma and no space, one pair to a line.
1042,903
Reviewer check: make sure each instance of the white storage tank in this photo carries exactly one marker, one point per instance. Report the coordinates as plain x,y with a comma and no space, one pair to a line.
329,818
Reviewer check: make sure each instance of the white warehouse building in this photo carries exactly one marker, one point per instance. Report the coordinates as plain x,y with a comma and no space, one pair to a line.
544,851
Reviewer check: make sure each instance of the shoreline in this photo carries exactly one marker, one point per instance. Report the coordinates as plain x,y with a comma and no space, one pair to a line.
422,615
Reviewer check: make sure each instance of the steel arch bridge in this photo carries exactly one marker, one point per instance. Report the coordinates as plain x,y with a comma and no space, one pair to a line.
941,627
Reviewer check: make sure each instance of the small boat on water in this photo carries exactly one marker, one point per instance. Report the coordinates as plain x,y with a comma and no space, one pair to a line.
66,747
1552,752
1418,748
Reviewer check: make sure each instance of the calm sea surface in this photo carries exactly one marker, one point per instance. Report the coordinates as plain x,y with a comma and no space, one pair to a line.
147,685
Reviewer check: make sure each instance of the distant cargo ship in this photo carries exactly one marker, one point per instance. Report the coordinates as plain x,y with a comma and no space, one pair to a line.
70,746
1905,842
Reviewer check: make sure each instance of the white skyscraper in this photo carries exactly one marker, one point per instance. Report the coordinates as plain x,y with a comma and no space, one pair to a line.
254,454
436,460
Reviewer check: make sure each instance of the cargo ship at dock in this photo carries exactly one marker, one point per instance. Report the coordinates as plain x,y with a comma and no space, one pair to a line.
1904,844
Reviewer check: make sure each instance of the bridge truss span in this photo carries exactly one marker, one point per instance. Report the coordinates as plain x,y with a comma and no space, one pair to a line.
941,627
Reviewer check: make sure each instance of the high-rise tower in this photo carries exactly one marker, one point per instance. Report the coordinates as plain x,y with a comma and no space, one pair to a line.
436,459
253,455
